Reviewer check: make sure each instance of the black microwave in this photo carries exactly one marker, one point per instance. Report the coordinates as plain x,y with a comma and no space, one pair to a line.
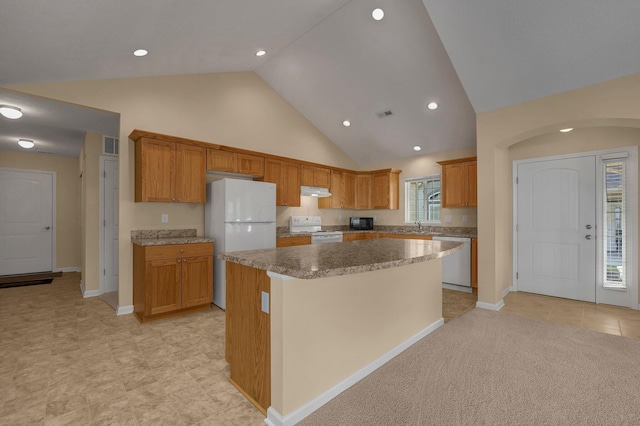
361,223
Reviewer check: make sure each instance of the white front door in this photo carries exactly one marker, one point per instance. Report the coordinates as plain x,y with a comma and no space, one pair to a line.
26,221
556,227
110,209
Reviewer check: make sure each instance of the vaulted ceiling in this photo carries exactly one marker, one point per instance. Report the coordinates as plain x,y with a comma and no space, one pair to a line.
330,59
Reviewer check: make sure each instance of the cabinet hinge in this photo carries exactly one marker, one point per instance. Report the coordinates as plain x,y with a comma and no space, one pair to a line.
104,272
516,275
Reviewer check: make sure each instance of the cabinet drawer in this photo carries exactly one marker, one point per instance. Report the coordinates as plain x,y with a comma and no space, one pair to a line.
174,251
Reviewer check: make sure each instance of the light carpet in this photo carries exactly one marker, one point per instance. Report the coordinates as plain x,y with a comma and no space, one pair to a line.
493,368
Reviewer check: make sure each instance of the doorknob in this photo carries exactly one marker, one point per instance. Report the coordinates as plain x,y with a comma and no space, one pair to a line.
588,237
46,228
588,226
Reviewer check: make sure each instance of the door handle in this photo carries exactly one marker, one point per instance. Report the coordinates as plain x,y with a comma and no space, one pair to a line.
588,237
588,226
46,228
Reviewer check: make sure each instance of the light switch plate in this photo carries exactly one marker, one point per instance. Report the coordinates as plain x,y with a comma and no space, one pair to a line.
265,302
165,218
464,218
447,218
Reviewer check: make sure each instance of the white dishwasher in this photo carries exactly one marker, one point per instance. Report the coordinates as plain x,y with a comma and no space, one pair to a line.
456,267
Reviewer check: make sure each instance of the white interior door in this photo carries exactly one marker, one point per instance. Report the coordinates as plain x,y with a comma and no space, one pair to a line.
110,209
26,221
556,223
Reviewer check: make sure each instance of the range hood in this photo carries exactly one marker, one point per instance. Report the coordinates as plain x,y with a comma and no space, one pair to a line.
314,191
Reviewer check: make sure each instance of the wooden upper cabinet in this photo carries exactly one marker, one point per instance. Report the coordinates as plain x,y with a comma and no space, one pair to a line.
343,187
234,162
286,176
190,182
363,191
315,176
459,182
385,186
169,172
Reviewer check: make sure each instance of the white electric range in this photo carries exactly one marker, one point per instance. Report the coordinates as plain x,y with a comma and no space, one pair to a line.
313,225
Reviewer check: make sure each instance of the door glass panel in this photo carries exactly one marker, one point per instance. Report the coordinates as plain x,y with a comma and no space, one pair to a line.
614,223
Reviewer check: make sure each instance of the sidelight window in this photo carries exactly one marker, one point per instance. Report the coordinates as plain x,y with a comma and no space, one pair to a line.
422,197
614,215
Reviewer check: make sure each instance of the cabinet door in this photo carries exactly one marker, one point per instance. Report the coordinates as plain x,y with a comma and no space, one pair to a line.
363,191
348,191
273,174
293,241
155,170
290,184
190,174
163,286
250,165
337,187
322,177
221,161
453,185
472,184
197,281
379,191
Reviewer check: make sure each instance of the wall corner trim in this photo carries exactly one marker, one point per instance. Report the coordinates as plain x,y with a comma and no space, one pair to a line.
276,419
489,306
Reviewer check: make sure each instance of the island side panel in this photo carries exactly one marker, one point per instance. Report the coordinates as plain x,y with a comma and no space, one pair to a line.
248,335
324,330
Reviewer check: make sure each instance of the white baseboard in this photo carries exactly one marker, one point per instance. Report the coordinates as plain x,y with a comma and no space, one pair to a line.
68,269
489,306
507,291
88,293
276,419
124,310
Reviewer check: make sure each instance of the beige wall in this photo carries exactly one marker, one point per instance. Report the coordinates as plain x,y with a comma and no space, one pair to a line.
605,105
326,329
237,109
67,200
90,154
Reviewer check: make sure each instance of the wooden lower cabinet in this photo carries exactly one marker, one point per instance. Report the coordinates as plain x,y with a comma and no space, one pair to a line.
293,241
248,334
171,280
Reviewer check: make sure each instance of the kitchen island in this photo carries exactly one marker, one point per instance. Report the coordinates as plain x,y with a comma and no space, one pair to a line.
304,323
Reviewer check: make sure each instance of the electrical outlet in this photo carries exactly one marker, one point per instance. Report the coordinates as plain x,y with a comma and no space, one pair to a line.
464,218
447,218
165,218
264,305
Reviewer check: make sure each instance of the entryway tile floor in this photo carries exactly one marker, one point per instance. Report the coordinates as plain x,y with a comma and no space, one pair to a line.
65,360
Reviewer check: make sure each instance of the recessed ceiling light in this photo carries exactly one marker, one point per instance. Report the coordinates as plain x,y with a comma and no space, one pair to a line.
10,111
140,52
417,148
377,14
568,129
432,106
261,52
26,143
346,123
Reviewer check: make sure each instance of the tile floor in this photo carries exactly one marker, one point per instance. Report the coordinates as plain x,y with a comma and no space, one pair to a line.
65,360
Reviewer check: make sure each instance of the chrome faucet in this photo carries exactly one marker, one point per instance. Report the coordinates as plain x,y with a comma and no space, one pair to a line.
419,225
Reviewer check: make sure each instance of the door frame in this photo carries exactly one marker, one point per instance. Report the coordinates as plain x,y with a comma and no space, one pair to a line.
631,153
54,223
101,219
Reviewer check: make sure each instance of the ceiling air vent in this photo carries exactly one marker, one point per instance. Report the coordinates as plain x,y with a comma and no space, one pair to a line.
384,114
110,145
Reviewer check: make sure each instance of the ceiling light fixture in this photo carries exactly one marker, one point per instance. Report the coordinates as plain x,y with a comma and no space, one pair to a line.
432,106
140,52
377,14
346,123
417,148
568,129
10,111
26,143
261,52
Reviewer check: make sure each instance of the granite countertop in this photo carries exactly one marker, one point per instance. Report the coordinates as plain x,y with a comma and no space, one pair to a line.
333,259
161,237
165,241
438,232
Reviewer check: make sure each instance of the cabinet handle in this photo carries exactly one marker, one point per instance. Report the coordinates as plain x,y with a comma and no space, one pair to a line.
179,260
173,199
181,250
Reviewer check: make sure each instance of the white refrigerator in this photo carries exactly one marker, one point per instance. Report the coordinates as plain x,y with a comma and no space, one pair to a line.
239,215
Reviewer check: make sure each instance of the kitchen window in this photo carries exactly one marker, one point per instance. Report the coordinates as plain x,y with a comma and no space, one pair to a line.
422,197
